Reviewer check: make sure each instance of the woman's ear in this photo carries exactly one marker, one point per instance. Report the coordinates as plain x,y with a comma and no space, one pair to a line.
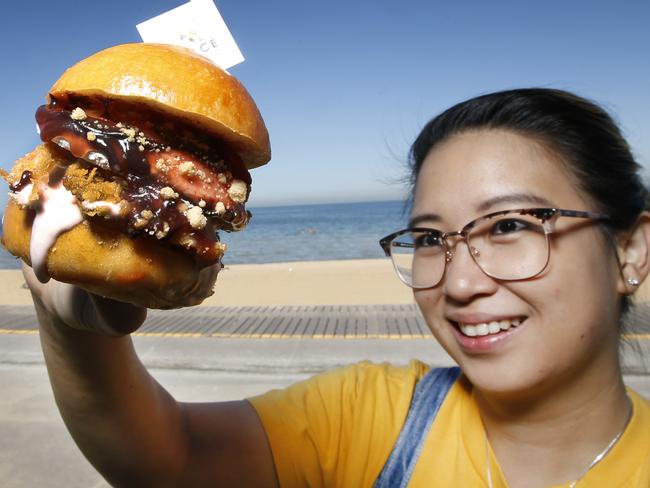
634,255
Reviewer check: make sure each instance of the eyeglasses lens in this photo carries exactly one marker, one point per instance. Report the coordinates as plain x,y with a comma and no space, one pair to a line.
508,247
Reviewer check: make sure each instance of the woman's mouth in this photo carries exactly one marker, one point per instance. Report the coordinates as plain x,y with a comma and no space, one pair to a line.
482,337
488,328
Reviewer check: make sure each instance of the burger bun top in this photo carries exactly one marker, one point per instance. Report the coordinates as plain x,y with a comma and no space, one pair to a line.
174,80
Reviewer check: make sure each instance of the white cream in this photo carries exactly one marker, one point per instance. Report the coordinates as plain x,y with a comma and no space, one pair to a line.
114,208
485,328
22,197
58,212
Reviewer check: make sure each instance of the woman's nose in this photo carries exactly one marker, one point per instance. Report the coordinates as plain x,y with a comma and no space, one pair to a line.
464,279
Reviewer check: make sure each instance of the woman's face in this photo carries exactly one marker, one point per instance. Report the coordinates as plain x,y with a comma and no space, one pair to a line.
567,315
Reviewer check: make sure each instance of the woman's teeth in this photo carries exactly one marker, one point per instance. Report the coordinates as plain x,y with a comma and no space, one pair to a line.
486,328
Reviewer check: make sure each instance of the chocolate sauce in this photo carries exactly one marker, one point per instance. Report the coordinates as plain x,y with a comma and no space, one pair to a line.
25,179
121,156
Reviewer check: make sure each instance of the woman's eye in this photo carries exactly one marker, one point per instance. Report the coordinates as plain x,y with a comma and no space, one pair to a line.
428,240
508,226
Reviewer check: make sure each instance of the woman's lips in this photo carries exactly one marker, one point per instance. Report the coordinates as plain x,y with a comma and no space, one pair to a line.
481,337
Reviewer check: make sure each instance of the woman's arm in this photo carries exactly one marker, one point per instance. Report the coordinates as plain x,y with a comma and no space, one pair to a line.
127,425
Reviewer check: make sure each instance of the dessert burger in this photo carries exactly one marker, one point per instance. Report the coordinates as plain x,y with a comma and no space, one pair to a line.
145,157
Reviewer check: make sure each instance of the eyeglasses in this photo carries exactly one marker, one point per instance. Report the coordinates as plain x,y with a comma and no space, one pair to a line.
507,245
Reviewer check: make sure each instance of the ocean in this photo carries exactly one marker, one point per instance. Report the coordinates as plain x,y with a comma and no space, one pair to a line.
305,233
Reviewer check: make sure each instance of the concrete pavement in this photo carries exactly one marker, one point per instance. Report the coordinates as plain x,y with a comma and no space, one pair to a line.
37,451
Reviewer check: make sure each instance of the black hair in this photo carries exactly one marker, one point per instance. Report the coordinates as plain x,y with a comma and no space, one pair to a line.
579,131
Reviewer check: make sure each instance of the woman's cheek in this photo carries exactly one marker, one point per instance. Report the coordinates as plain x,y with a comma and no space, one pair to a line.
426,298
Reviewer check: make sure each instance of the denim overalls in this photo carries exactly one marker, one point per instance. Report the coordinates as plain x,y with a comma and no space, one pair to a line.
429,394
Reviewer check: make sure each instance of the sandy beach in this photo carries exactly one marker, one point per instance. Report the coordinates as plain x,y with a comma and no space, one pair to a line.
347,282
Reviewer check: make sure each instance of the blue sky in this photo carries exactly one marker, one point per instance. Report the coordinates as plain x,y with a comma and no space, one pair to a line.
344,86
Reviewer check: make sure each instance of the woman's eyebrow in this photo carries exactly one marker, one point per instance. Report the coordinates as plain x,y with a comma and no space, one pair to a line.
415,221
514,198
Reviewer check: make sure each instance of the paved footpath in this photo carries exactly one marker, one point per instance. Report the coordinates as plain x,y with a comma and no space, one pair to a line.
265,349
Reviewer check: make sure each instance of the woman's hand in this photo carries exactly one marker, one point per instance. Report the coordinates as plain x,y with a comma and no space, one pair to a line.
79,309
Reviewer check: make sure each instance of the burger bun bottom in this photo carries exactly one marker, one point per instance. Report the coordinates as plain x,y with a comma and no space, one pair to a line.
113,265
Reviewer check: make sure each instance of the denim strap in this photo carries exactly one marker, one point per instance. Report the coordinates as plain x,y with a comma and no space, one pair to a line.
429,394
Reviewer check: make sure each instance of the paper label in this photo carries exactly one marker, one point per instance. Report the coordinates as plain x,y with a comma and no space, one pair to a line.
197,25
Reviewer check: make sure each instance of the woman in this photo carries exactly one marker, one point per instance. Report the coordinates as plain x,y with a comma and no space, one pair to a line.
527,298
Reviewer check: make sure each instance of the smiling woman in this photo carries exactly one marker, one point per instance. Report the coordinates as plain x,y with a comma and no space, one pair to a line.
530,307
544,194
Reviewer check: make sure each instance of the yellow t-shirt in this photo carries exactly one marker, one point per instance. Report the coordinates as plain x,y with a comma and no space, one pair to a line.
338,428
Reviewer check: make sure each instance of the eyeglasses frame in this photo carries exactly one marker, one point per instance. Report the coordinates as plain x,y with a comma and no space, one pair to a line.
544,214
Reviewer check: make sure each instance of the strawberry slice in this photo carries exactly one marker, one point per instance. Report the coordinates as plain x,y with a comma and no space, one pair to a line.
192,178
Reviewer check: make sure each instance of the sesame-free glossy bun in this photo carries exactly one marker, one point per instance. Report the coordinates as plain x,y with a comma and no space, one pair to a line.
177,81
111,264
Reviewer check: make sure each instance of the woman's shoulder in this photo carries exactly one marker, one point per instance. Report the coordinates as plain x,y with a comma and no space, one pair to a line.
384,371
376,378
364,376
356,383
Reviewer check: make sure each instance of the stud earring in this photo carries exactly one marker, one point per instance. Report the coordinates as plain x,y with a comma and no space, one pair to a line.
632,281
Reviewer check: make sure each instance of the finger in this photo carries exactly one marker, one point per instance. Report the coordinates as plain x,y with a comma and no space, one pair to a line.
119,317
86,311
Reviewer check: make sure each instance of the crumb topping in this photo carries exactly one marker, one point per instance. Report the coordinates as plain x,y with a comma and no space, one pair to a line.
162,233
139,223
128,132
161,165
196,218
187,168
78,114
168,193
238,191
